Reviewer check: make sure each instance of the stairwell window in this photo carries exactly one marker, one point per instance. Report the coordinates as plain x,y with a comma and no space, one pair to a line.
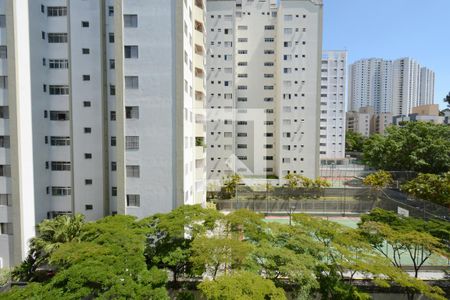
58,63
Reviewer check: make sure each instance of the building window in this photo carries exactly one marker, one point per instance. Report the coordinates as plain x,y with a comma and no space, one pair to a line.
56,11
113,141
4,112
60,166
133,171
57,37
132,143
87,129
131,52
59,89
84,24
87,103
112,64
112,90
3,82
88,181
111,37
112,115
88,156
60,141
85,51
133,200
89,207
4,141
113,166
131,82
111,11
86,77
130,21
56,115
5,171
132,112
5,200
61,191
3,52
58,63
6,228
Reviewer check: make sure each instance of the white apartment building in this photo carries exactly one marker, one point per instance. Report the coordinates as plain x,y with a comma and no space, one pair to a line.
390,86
413,86
332,105
113,93
370,84
263,69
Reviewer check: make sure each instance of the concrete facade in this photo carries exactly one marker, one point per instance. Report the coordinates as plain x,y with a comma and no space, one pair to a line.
86,127
332,105
263,87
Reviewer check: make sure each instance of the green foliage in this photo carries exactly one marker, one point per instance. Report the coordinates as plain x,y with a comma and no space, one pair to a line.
447,99
106,261
230,184
169,236
51,235
121,258
378,180
241,286
431,187
5,276
417,146
403,235
354,141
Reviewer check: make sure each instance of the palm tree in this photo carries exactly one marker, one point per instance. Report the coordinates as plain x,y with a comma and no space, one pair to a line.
51,234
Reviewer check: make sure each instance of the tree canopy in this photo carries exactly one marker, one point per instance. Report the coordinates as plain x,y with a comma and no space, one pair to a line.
417,146
354,141
431,187
231,256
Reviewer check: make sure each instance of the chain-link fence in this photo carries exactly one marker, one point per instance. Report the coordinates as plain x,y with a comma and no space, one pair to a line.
329,201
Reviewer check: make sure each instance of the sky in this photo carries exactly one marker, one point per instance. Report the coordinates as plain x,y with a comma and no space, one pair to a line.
392,29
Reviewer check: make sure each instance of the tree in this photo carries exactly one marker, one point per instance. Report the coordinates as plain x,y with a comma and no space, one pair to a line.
216,253
169,237
230,184
378,181
447,99
107,262
417,146
242,286
419,246
51,235
354,141
431,187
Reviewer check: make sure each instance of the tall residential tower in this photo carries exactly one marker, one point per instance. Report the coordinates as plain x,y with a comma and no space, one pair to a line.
103,110
263,87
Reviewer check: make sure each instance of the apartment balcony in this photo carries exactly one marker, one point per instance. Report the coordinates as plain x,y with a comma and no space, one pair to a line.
199,100
199,84
199,36
200,129
200,152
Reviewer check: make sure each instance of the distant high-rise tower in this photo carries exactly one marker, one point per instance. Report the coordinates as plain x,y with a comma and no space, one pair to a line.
390,86
370,84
